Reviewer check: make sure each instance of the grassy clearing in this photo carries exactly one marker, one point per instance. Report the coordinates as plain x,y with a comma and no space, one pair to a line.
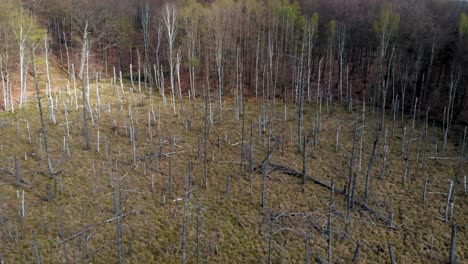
80,222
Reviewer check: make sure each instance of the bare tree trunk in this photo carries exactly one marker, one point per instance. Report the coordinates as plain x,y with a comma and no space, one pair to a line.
119,216
184,221
205,136
17,172
453,249
390,252
341,46
85,115
450,197
84,51
264,176
170,21
369,168
304,163
251,149
44,132
36,249
426,181
462,157
48,84
356,252
3,70
145,22
300,118
329,222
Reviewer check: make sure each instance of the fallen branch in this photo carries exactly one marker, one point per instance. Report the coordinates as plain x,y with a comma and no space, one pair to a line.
304,216
446,158
119,216
236,216
87,228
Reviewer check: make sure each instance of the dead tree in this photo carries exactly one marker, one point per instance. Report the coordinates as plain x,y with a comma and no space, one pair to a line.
184,221
119,215
462,157
205,136
426,181
44,131
304,163
84,84
455,74
300,86
408,146
384,158
390,252
170,179
329,222
369,168
264,175
36,249
251,149
356,252
351,179
264,168
450,200
341,36
170,22
453,249
17,171
145,23
48,85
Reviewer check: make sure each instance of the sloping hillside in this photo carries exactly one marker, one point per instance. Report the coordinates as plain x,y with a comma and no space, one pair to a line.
165,186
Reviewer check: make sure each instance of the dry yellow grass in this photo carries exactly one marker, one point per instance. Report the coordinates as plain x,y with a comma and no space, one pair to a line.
153,230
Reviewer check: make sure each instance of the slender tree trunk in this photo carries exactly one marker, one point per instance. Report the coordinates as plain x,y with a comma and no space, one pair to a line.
369,169
44,131
453,249
329,222
85,115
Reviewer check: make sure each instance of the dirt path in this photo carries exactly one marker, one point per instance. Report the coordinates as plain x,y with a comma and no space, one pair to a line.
58,79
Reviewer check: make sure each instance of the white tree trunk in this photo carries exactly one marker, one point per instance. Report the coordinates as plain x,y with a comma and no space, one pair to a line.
170,19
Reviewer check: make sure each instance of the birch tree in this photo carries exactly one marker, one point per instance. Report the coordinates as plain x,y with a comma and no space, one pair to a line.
341,34
26,32
219,52
145,23
170,23
385,28
192,13
331,34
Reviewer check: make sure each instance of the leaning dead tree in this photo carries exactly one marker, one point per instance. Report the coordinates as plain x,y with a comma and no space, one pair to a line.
41,114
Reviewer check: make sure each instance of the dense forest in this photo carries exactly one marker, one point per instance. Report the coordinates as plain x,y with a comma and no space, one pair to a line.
233,131
366,50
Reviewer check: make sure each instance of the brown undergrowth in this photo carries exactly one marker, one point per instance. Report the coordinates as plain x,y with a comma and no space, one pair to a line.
80,223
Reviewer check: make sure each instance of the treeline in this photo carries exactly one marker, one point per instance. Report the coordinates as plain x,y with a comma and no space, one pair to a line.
391,53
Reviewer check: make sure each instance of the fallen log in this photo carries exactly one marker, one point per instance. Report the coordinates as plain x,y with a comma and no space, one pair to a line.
291,172
288,171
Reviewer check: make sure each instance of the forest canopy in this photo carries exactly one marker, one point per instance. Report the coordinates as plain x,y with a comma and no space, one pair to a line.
269,38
